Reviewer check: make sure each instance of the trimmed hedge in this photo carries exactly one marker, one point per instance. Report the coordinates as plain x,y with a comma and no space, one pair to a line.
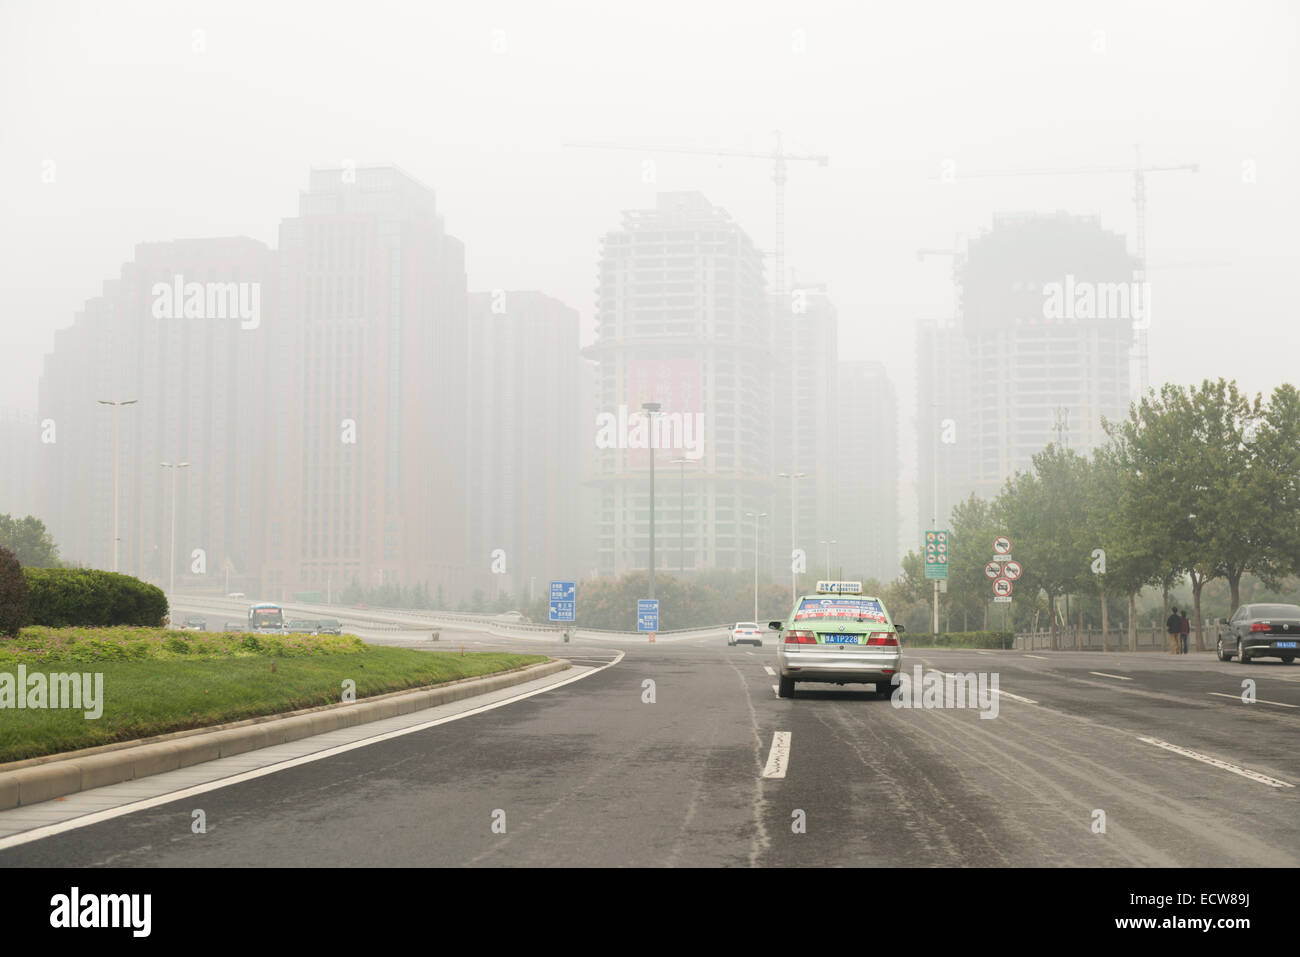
959,639
59,597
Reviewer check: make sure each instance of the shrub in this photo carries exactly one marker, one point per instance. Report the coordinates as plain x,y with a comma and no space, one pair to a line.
59,597
13,594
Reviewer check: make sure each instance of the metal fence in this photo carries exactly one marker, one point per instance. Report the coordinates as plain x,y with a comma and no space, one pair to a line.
1151,638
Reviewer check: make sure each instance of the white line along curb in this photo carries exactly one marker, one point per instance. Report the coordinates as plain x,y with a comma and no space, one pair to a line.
778,759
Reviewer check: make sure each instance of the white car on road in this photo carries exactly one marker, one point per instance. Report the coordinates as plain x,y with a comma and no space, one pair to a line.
746,632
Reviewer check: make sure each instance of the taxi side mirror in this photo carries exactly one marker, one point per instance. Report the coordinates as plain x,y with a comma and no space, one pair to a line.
774,625
900,629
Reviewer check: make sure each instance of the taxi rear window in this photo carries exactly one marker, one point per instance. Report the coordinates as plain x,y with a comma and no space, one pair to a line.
842,609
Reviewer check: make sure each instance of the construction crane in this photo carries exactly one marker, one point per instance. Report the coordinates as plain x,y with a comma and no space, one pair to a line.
1139,174
779,158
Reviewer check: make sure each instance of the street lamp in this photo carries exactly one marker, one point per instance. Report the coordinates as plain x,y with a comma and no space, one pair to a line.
681,514
171,589
756,518
650,408
828,555
794,535
116,406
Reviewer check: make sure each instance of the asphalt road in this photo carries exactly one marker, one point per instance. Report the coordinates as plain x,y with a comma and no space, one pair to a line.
594,773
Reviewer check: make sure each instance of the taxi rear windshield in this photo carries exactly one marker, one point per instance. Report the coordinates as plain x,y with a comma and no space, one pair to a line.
840,609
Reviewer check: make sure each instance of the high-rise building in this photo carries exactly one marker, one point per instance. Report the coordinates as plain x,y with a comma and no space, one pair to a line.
1040,352
368,409
866,471
525,463
184,333
21,441
682,320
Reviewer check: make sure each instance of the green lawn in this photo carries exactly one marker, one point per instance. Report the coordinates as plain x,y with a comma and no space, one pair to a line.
174,691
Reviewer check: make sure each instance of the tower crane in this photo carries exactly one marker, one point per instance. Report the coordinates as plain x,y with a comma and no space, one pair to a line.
779,159
1139,174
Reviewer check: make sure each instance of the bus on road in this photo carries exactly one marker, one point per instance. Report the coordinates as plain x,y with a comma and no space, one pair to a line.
266,617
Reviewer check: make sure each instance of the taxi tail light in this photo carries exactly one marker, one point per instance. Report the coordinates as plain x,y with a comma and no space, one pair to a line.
1261,626
800,638
883,638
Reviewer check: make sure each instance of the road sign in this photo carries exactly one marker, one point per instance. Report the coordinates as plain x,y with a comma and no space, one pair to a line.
1002,545
647,614
1012,570
992,570
564,603
1002,587
936,553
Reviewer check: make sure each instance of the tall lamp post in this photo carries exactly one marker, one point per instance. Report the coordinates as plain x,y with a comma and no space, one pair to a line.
171,588
681,514
116,406
794,534
650,408
828,555
756,518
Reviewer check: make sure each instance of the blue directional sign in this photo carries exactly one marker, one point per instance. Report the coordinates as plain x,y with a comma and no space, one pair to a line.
647,614
564,601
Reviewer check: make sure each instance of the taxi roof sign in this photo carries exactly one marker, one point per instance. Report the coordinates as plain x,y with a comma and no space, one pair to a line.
839,588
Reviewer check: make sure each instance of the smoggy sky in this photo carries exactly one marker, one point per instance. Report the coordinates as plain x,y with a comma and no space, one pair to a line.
171,120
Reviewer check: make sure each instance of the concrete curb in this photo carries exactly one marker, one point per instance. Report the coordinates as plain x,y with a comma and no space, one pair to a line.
56,776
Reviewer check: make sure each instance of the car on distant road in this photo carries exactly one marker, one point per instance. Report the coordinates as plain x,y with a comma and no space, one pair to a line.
302,626
838,636
329,626
194,623
234,626
745,632
1262,630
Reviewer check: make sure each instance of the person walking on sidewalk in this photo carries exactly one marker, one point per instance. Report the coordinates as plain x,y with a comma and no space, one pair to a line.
1186,630
1174,627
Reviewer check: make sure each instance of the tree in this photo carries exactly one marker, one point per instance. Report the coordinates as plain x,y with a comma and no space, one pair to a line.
13,594
974,526
1127,563
28,539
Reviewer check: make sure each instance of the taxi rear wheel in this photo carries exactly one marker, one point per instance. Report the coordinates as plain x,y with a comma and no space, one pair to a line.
785,687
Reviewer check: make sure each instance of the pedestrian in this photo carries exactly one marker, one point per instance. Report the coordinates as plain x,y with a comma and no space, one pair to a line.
1174,627
1186,630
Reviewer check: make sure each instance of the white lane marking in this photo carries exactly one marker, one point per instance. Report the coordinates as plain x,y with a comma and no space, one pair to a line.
1039,657
1104,675
50,830
768,669
776,691
983,652
1223,765
778,759
1237,697
749,652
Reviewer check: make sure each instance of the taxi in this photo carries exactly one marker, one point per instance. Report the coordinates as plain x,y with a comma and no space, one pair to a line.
838,636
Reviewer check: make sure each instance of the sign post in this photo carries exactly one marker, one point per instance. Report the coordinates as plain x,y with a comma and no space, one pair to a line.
647,615
936,566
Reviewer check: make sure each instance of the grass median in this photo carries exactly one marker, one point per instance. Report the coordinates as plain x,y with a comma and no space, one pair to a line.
155,681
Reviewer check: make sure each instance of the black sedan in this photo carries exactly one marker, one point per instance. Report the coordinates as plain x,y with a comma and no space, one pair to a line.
1261,631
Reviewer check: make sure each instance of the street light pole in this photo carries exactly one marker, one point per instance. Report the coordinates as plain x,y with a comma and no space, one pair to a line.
794,535
681,514
756,518
171,588
828,555
116,406
650,408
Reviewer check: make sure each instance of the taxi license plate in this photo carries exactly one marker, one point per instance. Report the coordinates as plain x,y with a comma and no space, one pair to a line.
1285,644
839,639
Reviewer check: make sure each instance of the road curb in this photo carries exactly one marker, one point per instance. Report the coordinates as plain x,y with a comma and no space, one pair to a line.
55,776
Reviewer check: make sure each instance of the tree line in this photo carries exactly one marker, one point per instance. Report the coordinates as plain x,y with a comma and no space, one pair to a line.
1197,485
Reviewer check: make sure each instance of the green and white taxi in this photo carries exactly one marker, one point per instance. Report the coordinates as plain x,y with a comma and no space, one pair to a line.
838,636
